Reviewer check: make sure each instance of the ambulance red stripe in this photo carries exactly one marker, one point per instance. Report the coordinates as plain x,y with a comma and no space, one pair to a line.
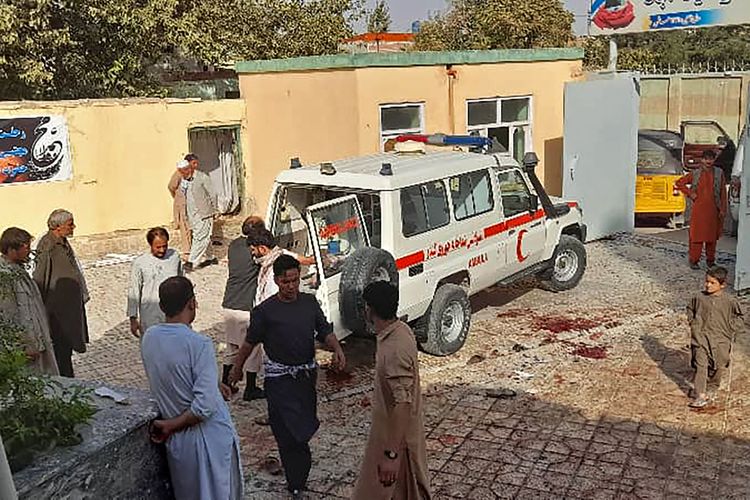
493,230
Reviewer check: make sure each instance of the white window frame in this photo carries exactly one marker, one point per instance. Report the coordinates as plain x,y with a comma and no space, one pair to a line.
390,134
512,126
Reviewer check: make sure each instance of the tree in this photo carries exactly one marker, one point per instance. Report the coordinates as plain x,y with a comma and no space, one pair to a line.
221,33
380,18
67,49
497,24
81,48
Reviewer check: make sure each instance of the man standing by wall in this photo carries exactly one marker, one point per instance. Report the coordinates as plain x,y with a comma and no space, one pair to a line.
395,462
203,449
21,303
287,325
705,186
201,210
148,272
63,290
178,188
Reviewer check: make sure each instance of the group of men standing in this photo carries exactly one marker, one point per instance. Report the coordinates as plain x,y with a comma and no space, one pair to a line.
50,305
194,210
271,327
274,326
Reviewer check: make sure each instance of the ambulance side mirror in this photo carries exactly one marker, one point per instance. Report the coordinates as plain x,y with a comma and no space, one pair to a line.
533,202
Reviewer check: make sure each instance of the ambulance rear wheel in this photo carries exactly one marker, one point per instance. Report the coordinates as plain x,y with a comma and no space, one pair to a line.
359,270
445,326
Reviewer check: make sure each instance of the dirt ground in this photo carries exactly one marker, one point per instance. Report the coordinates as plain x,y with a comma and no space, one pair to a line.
600,376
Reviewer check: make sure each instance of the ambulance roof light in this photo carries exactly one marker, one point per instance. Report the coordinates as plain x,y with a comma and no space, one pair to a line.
447,140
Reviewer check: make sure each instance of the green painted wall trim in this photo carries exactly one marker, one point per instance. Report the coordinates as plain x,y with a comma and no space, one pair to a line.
401,59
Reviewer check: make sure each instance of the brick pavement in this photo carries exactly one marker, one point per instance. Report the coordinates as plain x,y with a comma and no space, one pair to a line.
600,374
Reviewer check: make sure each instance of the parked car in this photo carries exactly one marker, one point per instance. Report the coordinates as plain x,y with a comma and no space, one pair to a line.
659,166
441,225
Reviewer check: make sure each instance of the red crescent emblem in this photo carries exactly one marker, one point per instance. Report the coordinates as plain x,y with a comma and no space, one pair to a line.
519,250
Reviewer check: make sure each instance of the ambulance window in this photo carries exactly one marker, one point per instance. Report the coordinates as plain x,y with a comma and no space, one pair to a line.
423,208
514,192
471,194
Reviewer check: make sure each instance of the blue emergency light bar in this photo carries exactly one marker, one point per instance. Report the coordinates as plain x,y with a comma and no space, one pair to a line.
447,140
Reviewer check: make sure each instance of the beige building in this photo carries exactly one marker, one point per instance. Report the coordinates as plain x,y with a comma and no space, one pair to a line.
331,107
121,153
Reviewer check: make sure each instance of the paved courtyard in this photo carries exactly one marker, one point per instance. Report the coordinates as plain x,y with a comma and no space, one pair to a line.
593,381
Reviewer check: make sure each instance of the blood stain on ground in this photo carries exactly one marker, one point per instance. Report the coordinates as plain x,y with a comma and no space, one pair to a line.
337,378
562,324
514,313
708,410
596,352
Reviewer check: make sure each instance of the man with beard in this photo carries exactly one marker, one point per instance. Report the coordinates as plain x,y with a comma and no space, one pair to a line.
63,290
148,272
21,303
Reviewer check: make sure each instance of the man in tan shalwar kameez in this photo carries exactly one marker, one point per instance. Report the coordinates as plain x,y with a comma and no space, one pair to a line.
179,210
395,461
21,303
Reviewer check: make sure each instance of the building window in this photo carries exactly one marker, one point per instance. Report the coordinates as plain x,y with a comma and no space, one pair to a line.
506,119
398,119
423,208
471,194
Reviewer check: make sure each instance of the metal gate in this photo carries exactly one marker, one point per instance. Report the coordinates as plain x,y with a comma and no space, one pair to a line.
601,151
742,266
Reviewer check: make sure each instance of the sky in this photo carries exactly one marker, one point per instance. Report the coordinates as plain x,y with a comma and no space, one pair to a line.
404,12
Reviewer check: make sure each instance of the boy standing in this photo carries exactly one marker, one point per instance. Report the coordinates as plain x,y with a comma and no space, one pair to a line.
715,318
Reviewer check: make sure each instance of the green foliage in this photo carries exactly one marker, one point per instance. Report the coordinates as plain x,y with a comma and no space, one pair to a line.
717,46
67,49
497,24
81,48
221,33
36,412
379,20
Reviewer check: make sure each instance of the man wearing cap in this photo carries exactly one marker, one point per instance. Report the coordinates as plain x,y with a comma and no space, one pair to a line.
201,210
177,188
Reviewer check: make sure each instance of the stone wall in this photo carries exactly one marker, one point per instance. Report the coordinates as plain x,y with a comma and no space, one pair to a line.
115,461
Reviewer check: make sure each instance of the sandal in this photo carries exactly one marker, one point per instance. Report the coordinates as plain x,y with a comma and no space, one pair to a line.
698,403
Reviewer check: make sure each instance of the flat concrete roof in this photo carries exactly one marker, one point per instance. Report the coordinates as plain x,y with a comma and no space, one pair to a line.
405,59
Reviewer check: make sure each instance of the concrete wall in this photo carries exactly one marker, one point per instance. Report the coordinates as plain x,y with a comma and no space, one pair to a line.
668,100
123,152
116,459
329,114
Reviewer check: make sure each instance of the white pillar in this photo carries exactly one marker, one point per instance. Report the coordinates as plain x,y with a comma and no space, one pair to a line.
7,488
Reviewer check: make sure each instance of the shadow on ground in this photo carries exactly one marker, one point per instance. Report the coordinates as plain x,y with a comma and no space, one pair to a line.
527,447
674,363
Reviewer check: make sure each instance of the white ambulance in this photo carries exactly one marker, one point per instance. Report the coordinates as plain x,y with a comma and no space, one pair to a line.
441,225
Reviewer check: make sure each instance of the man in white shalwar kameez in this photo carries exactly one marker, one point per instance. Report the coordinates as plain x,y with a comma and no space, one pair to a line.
202,445
147,273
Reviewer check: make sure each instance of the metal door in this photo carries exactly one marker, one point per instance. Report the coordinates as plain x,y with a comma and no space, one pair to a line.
337,230
601,150
742,266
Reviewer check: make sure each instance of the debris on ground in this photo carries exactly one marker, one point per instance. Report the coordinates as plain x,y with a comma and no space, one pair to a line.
520,374
500,393
477,358
519,347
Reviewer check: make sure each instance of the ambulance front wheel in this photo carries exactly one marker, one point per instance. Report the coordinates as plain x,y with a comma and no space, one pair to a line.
444,327
568,265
